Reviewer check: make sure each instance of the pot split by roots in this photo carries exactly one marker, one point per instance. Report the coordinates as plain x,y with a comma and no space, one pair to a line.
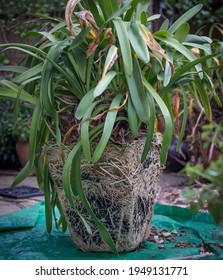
121,192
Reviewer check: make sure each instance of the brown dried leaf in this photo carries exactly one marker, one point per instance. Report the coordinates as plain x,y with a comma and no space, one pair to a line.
154,45
93,46
68,15
166,234
176,107
86,18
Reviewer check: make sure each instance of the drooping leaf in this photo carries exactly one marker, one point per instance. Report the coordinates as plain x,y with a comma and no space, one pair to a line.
32,145
153,44
102,229
183,50
183,70
15,69
68,15
71,177
30,73
12,94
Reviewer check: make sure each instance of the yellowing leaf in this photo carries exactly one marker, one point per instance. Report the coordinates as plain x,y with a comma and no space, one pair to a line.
153,44
110,59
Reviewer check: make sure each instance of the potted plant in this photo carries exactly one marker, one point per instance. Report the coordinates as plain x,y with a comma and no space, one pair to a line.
21,135
96,83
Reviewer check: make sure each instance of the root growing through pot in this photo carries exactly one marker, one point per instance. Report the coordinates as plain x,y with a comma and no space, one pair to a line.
121,192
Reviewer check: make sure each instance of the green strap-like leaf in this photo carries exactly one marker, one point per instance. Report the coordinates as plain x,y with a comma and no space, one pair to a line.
80,37
183,50
183,70
108,127
184,121
32,145
68,175
182,32
108,7
86,101
150,129
23,174
199,46
33,51
142,7
102,229
204,98
15,69
24,96
137,92
48,208
30,73
110,59
167,137
124,45
184,18
71,175
132,118
130,12
138,43
85,140
104,83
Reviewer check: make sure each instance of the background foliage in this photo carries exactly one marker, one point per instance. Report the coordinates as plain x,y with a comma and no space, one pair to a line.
8,157
211,12
13,13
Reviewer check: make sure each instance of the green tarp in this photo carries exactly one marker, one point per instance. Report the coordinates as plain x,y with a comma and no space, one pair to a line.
23,236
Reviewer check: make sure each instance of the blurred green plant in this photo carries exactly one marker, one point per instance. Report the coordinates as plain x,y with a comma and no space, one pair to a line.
17,17
21,129
8,156
211,13
210,195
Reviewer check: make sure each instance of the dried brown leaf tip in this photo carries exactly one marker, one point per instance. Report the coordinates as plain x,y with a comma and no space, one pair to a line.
86,18
154,45
68,15
176,107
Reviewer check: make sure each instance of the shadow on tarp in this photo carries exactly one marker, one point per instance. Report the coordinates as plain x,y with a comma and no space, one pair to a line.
23,237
